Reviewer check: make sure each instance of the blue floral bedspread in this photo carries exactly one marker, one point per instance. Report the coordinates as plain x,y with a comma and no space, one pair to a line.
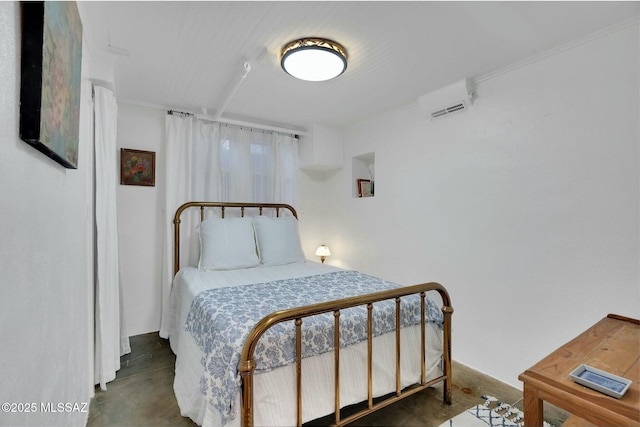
220,321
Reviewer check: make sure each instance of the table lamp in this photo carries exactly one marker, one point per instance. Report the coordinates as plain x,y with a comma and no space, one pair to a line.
323,252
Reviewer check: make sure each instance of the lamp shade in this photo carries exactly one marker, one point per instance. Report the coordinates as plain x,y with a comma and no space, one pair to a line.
323,250
314,59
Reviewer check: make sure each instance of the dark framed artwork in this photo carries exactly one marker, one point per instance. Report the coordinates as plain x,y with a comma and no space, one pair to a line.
137,167
50,85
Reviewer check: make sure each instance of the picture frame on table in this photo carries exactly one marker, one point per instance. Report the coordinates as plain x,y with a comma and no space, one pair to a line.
137,167
364,188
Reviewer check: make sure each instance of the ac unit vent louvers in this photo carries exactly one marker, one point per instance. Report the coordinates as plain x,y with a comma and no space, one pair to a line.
455,98
448,110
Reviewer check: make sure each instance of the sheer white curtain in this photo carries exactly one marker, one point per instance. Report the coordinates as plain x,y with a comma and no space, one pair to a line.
192,175
257,166
216,162
111,338
285,169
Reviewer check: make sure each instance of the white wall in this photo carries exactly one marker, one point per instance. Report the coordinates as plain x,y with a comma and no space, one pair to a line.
139,221
46,259
526,207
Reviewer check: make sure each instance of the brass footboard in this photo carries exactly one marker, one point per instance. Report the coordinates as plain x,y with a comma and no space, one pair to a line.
247,364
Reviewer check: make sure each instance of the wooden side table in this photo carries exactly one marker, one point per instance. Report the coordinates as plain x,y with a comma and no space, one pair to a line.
612,345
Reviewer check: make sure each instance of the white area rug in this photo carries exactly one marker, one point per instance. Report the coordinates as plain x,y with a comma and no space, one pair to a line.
490,413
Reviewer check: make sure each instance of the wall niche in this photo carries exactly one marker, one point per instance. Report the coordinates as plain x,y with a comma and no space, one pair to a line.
363,175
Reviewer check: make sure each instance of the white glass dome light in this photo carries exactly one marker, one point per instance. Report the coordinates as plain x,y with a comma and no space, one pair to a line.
314,59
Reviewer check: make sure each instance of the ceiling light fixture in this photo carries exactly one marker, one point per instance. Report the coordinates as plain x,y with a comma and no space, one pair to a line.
314,59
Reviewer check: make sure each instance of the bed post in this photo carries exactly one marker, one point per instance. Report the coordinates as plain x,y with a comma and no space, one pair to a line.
176,246
246,369
447,310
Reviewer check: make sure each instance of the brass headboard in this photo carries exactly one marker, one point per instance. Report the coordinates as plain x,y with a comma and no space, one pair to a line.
222,206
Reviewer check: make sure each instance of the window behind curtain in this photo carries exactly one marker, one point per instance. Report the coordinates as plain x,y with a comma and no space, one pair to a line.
262,172
257,166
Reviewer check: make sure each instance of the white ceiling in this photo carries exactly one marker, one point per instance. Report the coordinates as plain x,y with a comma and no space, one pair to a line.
189,55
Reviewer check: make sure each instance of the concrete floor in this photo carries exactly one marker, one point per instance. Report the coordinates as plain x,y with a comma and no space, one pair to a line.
142,395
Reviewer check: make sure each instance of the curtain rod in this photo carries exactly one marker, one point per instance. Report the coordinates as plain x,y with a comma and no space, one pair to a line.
295,133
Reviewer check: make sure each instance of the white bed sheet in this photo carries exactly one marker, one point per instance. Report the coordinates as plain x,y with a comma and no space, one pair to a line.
274,391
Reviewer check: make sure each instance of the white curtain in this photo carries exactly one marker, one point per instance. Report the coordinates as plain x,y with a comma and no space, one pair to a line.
285,188
216,162
191,155
257,166
111,338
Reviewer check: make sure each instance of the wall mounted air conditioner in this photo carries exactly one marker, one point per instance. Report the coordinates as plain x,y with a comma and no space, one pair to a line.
451,99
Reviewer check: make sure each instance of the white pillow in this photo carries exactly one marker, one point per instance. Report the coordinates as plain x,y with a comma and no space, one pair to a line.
227,244
278,240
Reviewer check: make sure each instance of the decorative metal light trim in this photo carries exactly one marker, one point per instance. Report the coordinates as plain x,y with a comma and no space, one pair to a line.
322,50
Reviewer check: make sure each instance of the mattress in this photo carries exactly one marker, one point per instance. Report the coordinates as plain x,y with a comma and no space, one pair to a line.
274,391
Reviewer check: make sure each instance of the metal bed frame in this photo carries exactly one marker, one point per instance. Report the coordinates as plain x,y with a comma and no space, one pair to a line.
247,363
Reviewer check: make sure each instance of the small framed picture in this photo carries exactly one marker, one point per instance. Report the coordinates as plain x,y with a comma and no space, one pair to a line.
364,188
137,167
